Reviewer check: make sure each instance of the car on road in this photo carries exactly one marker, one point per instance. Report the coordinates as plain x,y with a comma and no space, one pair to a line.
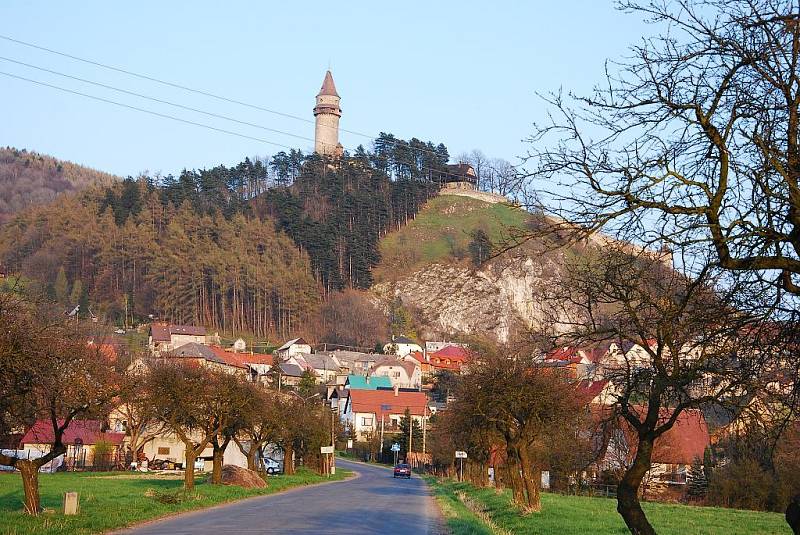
271,466
402,470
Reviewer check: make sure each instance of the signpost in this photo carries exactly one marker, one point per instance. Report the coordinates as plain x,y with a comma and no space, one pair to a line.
461,455
328,450
395,449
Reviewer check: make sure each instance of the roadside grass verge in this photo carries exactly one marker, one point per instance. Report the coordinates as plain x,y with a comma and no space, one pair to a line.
113,500
578,515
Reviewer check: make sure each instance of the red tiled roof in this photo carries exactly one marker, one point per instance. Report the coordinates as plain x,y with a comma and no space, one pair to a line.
588,390
328,87
452,352
418,356
385,402
686,440
88,431
240,360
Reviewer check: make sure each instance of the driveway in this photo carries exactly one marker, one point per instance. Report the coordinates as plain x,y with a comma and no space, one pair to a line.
373,502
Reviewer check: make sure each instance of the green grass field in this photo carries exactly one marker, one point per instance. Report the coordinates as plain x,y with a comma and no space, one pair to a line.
579,515
117,499
440,232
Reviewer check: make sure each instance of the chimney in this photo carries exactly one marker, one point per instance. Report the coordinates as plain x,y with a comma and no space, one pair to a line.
396,390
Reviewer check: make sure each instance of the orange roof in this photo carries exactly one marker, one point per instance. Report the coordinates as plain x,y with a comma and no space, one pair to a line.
240,360
385,402
457,353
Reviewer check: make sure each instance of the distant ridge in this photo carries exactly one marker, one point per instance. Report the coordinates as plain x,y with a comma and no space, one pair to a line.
28,178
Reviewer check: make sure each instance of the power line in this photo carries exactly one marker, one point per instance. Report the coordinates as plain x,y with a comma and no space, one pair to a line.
154,99
166,116
143,110
198,91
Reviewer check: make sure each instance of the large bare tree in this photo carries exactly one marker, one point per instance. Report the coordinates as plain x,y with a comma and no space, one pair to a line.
693,141
51,374
674,343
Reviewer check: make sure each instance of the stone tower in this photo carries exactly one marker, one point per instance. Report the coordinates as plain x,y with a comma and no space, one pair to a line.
327,113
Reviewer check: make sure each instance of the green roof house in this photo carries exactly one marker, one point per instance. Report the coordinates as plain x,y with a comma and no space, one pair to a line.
359,382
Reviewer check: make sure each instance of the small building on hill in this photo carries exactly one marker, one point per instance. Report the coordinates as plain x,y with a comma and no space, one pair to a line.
166,336
293,347
401,346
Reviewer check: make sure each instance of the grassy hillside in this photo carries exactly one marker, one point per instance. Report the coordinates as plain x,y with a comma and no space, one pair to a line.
441,232
30,179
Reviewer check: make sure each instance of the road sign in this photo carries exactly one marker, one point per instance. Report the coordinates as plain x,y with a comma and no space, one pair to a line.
395,447
349,443
461,455
326,449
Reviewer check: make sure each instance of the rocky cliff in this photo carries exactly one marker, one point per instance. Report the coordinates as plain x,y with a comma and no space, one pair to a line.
448,295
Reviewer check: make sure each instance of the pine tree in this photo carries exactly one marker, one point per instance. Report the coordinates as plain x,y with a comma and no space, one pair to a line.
60,286
697,484
76,294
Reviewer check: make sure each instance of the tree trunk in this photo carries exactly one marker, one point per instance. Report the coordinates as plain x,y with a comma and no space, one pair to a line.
628,491
29,471
529,478
252,459
188,473
216,471
515,481
288,461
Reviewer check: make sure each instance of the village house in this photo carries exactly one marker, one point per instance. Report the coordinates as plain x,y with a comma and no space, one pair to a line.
401,346
325,367
167,337
673,452
402,373
355,362
369,411
450,357
293,347
80,438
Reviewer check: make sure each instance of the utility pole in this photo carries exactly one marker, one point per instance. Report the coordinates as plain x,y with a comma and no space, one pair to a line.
424,414
410,429
333,445
381,450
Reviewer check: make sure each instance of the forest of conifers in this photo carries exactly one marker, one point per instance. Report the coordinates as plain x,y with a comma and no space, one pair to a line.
250,248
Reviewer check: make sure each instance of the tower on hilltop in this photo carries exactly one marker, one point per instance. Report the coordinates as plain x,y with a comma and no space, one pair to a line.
327,113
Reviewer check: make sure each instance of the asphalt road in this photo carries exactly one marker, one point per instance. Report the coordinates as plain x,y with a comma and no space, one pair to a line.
373,502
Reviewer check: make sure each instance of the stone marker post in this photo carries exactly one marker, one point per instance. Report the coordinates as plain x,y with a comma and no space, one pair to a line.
71,503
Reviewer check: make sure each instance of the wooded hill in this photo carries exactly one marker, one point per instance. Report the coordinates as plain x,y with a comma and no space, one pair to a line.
31,179
249,248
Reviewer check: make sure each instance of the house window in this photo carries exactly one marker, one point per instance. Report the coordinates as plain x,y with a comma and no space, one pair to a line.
396,375
366,421
163,451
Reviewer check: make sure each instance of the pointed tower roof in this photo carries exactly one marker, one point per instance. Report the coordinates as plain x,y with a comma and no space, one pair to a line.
328,87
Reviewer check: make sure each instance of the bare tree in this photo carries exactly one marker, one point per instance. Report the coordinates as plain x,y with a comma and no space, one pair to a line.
231,405
694,141
183,399
679,343
50,373
523,403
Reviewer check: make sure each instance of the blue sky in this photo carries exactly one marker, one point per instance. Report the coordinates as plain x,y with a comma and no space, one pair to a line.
462,73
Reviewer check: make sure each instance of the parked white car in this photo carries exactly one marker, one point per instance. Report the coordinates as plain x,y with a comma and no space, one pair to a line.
271,466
